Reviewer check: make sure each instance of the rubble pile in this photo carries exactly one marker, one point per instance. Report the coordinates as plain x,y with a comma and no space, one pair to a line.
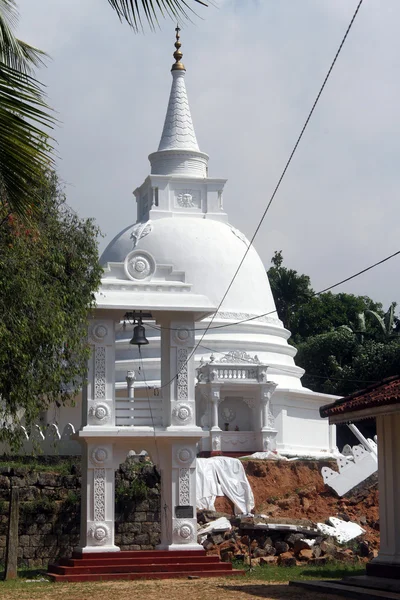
258,540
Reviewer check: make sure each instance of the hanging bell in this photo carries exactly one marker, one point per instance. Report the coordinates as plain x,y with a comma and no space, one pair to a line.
139,336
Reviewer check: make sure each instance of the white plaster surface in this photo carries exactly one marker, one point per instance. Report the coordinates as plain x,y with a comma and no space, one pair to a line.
342,531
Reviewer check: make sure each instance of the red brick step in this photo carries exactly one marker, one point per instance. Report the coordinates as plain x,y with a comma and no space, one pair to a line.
149,564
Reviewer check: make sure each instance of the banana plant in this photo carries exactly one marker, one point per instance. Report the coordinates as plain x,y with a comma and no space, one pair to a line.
386,323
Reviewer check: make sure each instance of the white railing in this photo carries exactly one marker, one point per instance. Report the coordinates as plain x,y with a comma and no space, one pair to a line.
138,412
237,373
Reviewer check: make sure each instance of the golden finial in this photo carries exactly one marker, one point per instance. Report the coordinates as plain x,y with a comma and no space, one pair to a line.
178,66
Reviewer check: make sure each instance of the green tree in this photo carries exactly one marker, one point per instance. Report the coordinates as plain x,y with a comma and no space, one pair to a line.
324,358
25,146
336,363
325,312
289,289
48,274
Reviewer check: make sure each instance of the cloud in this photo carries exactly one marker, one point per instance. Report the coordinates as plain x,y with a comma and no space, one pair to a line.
253,71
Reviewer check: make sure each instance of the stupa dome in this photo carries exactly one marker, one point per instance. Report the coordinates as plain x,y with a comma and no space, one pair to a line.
207,253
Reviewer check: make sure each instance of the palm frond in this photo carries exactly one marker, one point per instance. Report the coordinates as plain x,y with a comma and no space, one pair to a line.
13,52
25,149
132,11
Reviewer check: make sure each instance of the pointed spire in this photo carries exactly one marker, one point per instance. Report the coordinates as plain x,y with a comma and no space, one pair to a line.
178,132
178,66
178,151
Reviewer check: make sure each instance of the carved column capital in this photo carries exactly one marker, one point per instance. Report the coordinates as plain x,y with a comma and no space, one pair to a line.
130,377
267,389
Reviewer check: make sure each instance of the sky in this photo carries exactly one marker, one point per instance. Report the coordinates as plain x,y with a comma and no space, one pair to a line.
254,69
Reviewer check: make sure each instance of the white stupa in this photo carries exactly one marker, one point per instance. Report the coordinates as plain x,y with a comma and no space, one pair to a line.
182,244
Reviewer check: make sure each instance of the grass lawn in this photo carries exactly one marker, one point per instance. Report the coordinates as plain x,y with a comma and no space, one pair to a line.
263,582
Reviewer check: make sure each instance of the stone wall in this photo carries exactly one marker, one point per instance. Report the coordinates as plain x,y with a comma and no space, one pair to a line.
49,512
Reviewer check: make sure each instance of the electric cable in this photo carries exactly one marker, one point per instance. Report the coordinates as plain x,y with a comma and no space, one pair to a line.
313,295
275,189
287,163
290,372
165,507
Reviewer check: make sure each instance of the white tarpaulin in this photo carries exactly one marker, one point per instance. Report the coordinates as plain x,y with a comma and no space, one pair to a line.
219,476
270,455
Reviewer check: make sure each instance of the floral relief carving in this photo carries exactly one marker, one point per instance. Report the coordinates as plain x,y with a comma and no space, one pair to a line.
251,402
238,356
270,420
99,456
216,443
99,533
184,487
100,372
98,332
182,367
139,265
99,494
184,531
228,414
100,412
239,316
182,335
182,413
140,230
184,455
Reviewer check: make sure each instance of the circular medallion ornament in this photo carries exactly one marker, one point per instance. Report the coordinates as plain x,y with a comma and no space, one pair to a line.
185,531
182,413
228,414
99,455
182,335
100,533
184,455
99,332
101,412
139,265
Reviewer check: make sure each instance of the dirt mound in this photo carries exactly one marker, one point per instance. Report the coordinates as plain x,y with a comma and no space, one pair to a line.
296,490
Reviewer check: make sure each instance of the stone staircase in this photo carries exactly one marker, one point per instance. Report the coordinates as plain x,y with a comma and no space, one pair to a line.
149,564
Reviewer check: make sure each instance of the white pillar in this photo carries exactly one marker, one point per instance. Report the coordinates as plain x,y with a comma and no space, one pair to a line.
99,399
388,428
214,397
267,389
98,472
177,464
177,449
98,499
178,373
268,430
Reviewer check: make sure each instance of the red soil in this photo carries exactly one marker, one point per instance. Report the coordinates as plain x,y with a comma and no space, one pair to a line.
296,490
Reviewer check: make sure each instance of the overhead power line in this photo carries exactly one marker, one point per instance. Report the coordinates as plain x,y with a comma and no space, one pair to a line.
277,185
253,318
288,161
199,343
